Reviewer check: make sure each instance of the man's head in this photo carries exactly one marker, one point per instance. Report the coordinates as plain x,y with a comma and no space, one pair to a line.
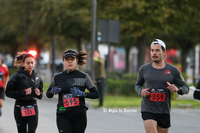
158,50
96,54
158,41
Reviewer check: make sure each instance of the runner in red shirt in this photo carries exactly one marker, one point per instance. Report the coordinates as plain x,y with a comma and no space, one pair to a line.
4,77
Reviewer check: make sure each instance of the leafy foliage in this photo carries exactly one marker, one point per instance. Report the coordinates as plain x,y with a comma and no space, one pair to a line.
175,21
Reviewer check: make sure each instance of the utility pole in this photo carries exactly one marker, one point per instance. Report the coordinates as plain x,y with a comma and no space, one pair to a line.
53,42
26,25
93,36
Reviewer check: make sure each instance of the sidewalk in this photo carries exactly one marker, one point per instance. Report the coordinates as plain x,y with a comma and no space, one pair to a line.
187,96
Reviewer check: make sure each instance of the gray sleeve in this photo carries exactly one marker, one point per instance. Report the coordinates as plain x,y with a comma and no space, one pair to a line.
89,83
140,82
180,82
93,94
184,90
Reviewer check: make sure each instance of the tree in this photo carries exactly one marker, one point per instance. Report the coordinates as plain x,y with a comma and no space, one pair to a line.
182,26
140,20
11,27
175,21
68,18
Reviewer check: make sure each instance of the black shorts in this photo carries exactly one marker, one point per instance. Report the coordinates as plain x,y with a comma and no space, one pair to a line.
163,120
2,93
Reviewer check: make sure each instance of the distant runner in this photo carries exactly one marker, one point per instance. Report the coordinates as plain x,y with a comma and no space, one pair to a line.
159,78
4,77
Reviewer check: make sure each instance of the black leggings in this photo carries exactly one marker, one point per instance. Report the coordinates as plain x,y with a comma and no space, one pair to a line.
2,93
71,123
22,122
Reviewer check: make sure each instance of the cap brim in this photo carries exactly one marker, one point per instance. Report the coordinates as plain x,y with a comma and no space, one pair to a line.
69,56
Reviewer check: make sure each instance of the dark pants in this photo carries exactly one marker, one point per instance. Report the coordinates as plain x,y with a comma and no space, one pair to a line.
71,123
2,93
22,122
100,87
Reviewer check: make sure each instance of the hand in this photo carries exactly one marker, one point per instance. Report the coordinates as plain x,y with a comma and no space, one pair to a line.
76,92
145,92
172,88
37,91
28,91
55,90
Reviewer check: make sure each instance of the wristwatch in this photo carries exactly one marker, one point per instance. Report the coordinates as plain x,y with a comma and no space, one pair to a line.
84,94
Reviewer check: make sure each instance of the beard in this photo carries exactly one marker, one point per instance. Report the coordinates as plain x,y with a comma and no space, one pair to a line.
156,61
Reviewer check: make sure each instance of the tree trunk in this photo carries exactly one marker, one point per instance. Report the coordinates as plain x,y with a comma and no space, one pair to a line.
127,60
141,51
79,43
184,53
14,50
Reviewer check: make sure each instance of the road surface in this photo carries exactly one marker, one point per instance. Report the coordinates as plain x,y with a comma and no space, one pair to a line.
102,120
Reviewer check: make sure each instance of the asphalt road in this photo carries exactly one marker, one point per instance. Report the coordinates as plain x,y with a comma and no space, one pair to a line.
102,120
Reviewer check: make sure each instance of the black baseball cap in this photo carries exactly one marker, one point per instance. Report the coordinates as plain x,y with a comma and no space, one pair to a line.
69,53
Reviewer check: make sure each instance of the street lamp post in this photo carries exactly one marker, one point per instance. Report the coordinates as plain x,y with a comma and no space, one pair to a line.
93,36
26,25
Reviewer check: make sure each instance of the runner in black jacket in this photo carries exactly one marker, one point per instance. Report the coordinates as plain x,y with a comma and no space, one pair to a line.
70,85
25,86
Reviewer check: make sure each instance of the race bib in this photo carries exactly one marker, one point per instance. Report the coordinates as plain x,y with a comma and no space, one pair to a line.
27,110
157,95
69,101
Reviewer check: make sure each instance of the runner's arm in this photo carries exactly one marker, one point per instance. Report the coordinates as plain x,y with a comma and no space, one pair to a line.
93,94
6,81
7,76
198,84
11,88
180,82
139,84
41,89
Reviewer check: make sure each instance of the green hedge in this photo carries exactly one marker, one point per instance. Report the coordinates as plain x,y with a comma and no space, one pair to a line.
122,84
121,87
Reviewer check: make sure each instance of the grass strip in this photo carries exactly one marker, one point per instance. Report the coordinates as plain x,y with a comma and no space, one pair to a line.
135,102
